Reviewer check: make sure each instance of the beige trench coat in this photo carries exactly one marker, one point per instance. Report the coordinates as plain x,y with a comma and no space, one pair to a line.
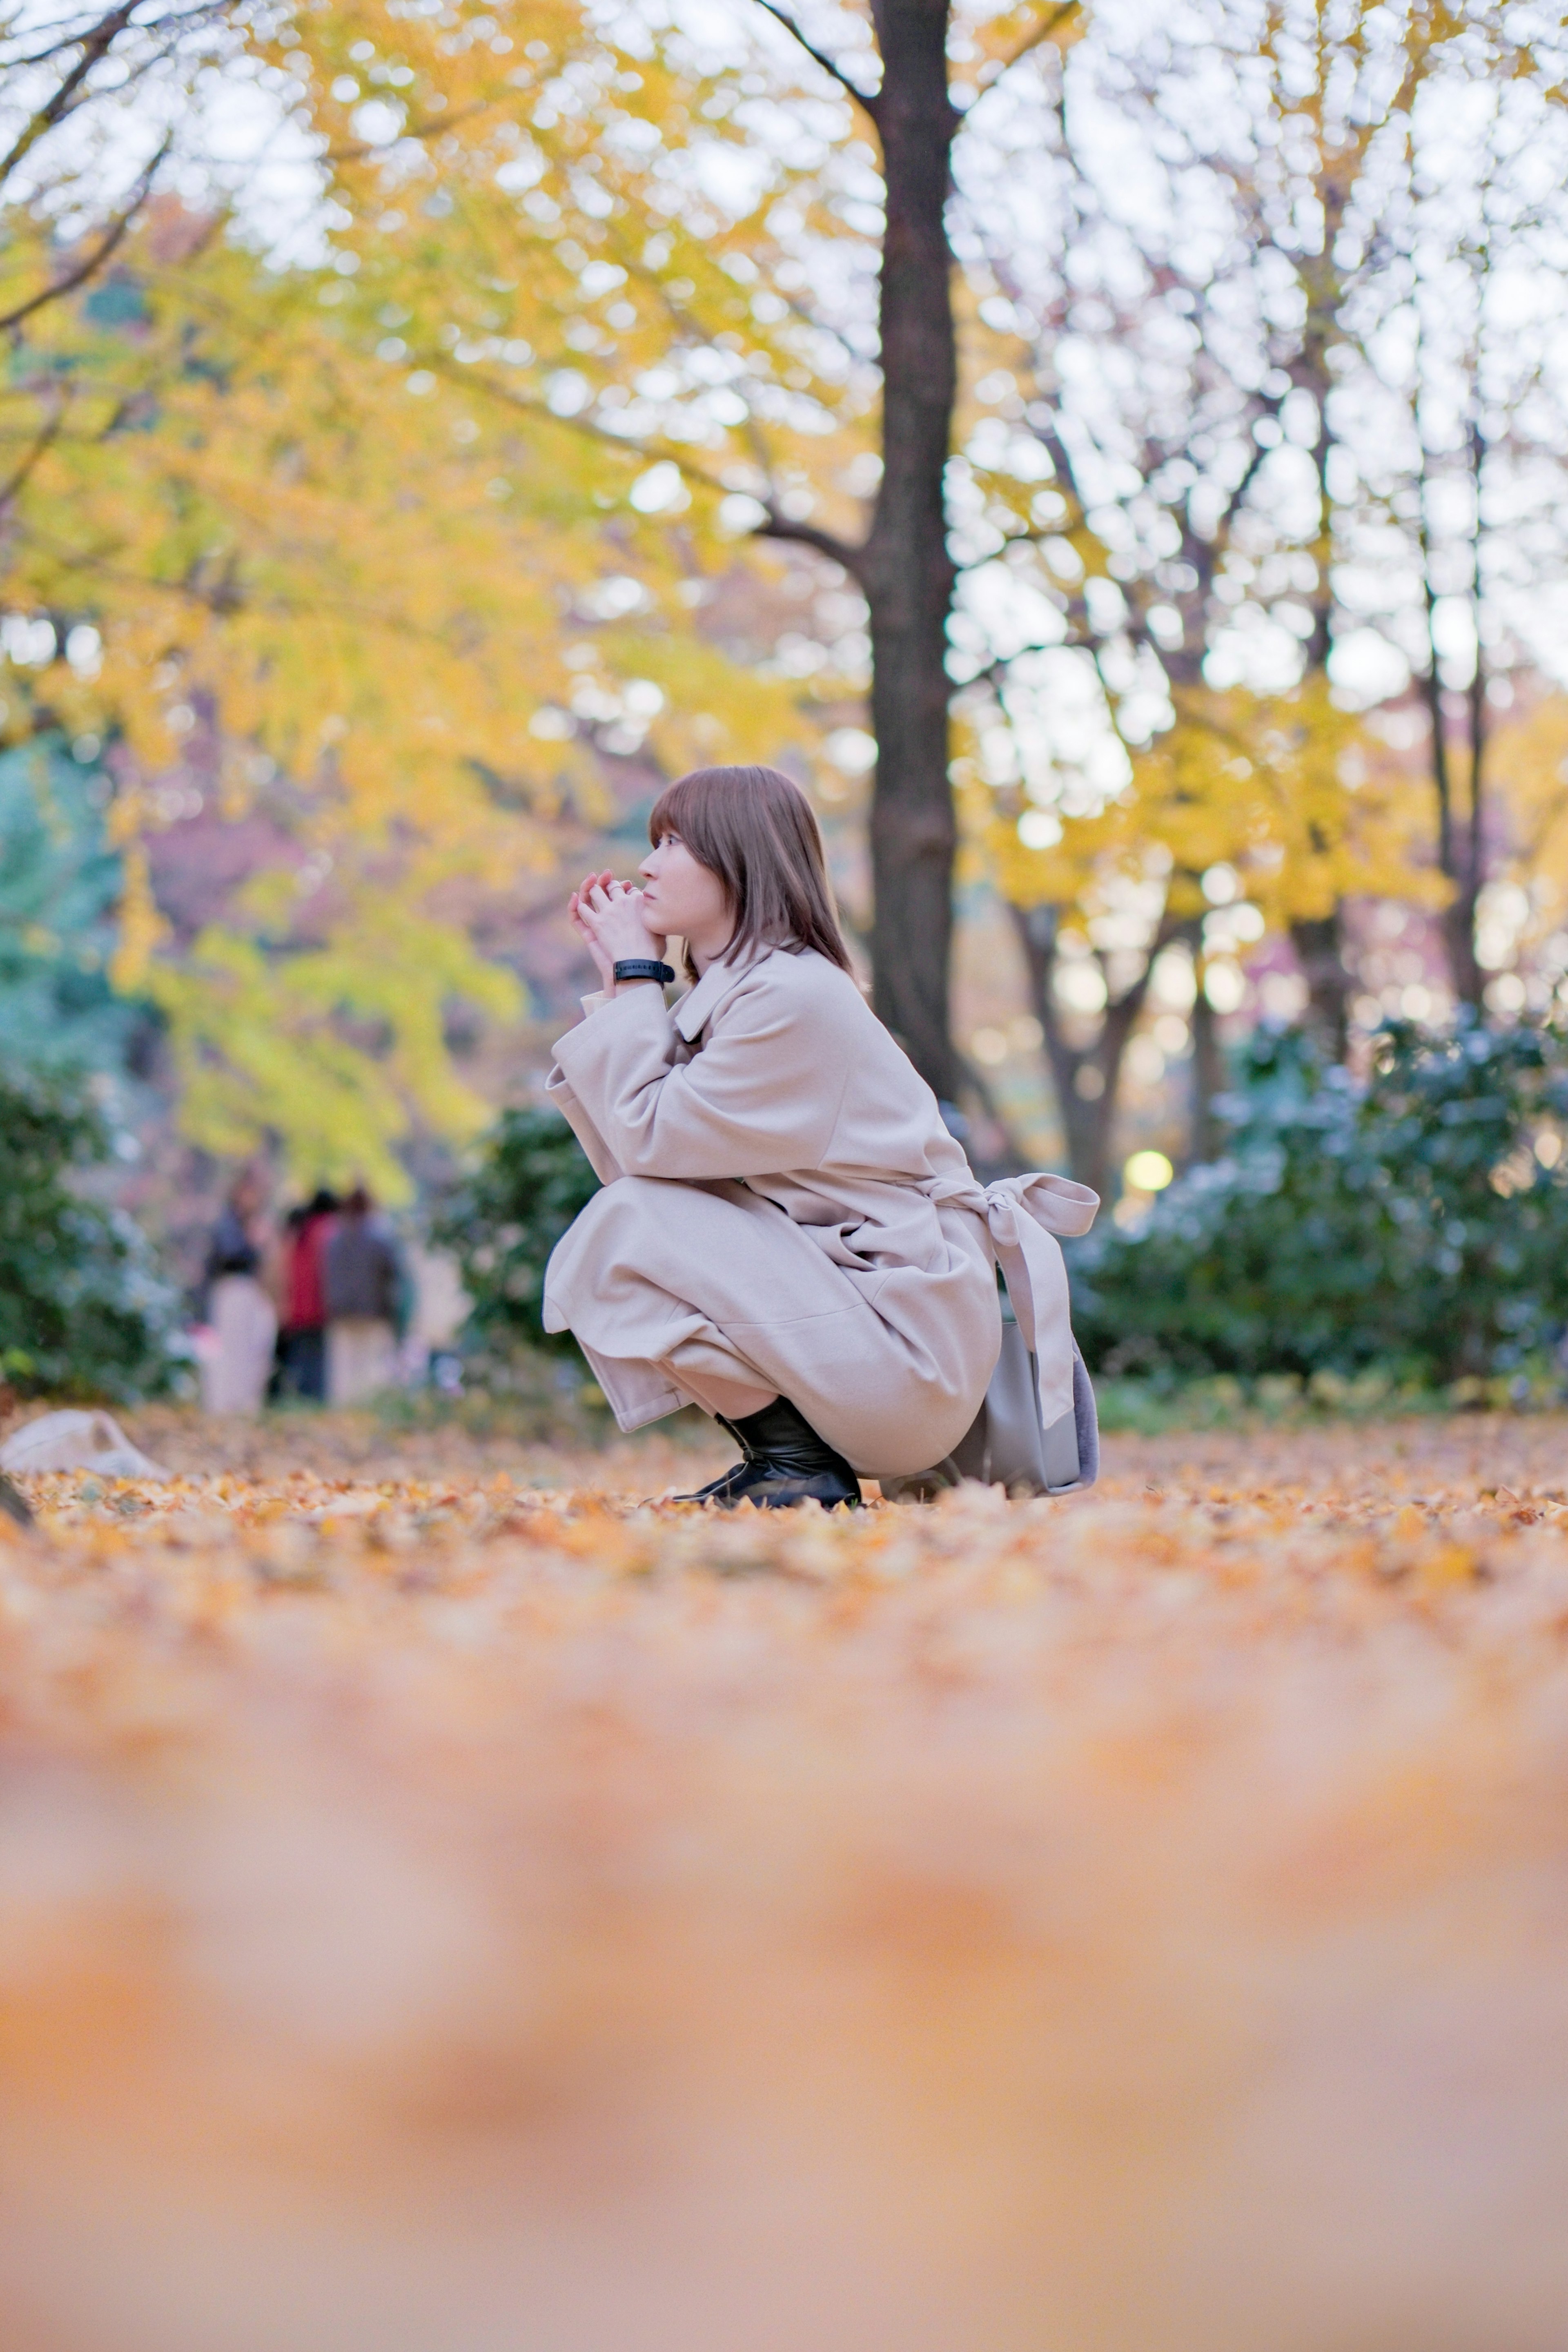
782,1206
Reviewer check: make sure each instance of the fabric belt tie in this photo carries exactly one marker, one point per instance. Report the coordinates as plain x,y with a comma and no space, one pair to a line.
1023,1216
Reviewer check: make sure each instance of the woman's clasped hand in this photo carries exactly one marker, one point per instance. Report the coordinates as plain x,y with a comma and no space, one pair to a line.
611,919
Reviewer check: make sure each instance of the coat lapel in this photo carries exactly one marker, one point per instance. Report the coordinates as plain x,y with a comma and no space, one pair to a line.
708,996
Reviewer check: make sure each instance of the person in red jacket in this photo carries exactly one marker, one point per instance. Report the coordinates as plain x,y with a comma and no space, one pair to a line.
303,1342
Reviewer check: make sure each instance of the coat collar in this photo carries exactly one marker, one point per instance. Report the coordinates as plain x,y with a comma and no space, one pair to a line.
707,996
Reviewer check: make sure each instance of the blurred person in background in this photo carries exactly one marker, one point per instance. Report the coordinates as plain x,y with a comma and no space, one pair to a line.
302,1350
241,1319
364,1293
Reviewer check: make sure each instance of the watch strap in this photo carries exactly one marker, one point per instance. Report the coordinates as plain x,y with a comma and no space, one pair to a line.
643,968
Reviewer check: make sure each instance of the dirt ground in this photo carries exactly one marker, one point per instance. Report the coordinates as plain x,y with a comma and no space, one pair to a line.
448,1904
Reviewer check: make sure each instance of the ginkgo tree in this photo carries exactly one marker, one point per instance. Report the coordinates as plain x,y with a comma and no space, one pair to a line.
736,293
237,590
1248,815
248,554
402,537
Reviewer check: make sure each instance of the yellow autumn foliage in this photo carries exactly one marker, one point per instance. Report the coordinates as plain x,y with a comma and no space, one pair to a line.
337,1050
1527,770
401,605
1285,787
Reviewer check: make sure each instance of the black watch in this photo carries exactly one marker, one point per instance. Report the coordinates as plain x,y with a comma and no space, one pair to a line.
643,968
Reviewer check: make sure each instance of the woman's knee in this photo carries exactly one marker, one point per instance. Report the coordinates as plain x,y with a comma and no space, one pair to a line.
613,1204
639,1196
624,1228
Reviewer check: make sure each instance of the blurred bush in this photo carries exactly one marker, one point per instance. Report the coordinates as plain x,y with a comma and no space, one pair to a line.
82,1311
62,884
501,1223
1418,1222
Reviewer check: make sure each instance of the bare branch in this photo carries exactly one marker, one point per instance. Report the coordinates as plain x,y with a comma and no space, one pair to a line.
224,595
67,32
112,237
808,534
1050,24
644,452
782,526
1012,538
820,325
41,443
356,150
95,46
865,100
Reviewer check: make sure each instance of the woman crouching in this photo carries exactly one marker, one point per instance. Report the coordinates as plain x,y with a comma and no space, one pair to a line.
787,1236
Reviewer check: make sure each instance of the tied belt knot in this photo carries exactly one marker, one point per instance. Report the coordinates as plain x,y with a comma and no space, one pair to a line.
1023,1216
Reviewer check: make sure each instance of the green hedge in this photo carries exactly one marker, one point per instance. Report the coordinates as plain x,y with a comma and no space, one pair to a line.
501,1223
1418,1222
82,1311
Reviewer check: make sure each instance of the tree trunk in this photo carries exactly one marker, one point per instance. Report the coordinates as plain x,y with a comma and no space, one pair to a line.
1459,843
1208,1079
905,570
1318,941
1088,1118
903,566
1460,938
1321,954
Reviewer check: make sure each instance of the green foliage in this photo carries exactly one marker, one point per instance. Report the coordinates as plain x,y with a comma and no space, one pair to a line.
82,1313
1419,1222
502,1222
61,882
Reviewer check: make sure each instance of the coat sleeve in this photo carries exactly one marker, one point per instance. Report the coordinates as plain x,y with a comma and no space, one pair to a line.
601,1158
558,1091
761,1099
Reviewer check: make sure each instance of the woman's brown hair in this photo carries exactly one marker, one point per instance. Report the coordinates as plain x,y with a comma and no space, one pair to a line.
758,832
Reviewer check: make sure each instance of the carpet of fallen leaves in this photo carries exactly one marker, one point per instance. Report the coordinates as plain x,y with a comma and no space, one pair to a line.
448,1904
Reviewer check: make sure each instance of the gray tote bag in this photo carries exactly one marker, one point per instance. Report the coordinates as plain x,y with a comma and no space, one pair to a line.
1007,1444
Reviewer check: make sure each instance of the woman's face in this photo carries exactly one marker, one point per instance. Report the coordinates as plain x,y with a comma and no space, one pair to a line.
683,899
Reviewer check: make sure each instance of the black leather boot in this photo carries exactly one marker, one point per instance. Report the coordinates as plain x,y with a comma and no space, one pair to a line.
784,1464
